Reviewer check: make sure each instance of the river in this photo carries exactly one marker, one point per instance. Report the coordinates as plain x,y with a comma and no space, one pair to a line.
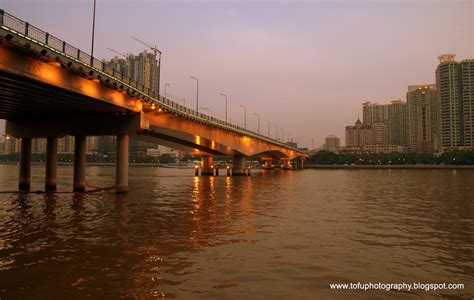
274,235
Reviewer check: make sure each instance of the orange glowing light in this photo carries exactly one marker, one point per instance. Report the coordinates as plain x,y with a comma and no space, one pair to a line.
198,140
153,106
50,74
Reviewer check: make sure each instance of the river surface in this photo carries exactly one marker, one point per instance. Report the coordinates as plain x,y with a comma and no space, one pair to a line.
274,235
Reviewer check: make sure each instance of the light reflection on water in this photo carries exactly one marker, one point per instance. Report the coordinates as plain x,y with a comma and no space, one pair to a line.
273,235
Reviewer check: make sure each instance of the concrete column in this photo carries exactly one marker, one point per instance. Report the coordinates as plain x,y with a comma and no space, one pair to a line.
25,165
238,165
121,176
302,164
206,165
267,165
79,184
286,164
51,164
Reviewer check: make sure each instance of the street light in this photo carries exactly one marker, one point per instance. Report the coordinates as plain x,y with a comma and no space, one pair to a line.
258,116
93,31
197,93
245,116
276,131
184,102
166,84
222,94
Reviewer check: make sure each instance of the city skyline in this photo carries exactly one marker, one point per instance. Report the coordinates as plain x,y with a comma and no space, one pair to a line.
312,62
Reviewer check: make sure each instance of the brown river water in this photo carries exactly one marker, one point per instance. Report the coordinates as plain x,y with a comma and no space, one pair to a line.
274,235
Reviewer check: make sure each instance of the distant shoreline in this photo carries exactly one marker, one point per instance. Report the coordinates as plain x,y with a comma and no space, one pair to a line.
419,167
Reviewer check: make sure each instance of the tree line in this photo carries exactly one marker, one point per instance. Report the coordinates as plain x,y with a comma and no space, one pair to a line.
457,157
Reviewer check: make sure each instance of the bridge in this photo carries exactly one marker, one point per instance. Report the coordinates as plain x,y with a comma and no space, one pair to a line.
50,89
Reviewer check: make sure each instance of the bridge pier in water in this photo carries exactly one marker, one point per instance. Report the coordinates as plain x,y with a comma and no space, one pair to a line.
79,183
267,164
286,164
51,164
121,176
207,166
238,166
25,164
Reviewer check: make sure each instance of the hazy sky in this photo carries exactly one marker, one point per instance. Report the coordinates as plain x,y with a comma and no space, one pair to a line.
304,65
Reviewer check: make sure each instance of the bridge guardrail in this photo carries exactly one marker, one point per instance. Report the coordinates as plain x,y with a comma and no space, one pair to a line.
35,34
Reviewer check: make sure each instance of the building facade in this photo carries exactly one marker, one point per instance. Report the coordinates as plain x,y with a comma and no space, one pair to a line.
467,96
397,123
372,112
363,137
449,102
332,143
423,118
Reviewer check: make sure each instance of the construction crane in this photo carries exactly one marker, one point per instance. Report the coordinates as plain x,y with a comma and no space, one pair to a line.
116,52
156,51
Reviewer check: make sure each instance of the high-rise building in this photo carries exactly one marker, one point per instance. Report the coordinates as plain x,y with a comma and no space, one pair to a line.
332,143
38,145
397,123
362,134
119,64
143,68
11,145
372,112
66,144
467,96
423,118
448,85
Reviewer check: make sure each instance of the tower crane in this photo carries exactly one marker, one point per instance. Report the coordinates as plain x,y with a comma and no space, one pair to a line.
116,52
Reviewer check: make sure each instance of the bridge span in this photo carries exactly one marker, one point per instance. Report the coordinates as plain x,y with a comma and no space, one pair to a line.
50,89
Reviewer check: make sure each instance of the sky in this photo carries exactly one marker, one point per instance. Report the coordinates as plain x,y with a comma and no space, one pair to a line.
305,66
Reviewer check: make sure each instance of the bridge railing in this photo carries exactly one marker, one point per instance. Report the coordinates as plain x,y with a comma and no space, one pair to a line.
33,33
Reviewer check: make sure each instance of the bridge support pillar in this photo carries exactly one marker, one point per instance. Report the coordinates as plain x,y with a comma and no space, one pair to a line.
238,165
267,164
286,164
51,164
25,165
207,166
299,163
79,184
121,176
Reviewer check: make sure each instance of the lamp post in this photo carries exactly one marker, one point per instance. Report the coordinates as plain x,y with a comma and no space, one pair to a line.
258,116
245,116
93,31
222,94
276,131
184,102
197,93
166,84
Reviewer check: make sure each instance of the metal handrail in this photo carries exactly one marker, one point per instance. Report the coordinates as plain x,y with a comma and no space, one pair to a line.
24,29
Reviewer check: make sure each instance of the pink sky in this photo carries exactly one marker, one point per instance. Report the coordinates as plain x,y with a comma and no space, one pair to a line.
304,65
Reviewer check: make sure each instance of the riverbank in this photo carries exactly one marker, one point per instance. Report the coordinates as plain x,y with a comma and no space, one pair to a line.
419,166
